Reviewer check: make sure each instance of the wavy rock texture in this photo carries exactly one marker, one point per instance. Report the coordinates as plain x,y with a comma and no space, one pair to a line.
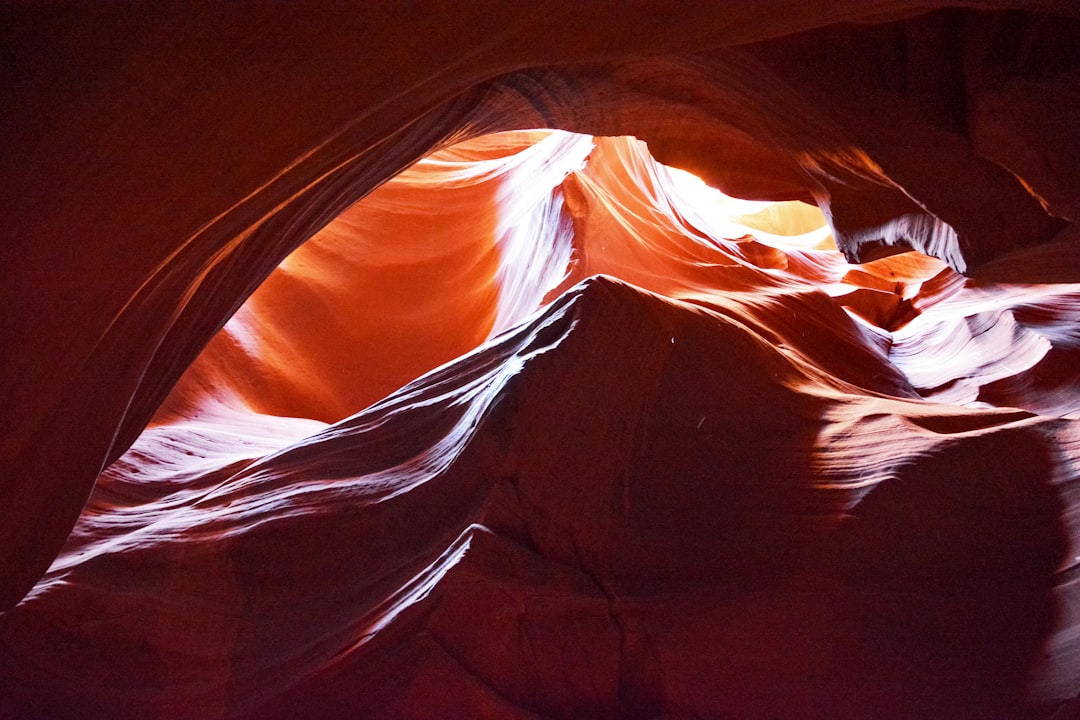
716,474
537,427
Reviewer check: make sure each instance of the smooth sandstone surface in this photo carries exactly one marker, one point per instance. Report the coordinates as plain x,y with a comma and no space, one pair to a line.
532,425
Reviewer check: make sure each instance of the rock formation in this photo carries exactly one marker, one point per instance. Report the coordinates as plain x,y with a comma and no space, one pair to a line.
529,424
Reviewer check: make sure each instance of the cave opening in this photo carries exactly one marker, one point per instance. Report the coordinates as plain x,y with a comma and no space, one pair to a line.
468,242
477,237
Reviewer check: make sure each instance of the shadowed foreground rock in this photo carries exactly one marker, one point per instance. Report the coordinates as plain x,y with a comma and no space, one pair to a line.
537,531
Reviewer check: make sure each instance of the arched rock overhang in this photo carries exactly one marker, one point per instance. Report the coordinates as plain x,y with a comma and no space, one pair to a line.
161,162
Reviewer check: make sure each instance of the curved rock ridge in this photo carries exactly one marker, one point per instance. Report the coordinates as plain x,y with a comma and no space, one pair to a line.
698,474
578,518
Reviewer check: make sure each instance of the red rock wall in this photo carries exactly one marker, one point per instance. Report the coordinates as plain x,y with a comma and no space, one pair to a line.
812,470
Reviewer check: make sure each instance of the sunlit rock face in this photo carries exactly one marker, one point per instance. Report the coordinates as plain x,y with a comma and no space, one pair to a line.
456,249
537,426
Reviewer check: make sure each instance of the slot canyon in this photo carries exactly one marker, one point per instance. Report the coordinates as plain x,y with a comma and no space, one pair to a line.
608,359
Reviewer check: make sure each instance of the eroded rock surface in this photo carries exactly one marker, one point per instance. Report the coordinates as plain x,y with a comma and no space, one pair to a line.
672,455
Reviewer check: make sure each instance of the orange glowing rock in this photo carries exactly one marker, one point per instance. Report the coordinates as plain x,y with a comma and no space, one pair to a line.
425,268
